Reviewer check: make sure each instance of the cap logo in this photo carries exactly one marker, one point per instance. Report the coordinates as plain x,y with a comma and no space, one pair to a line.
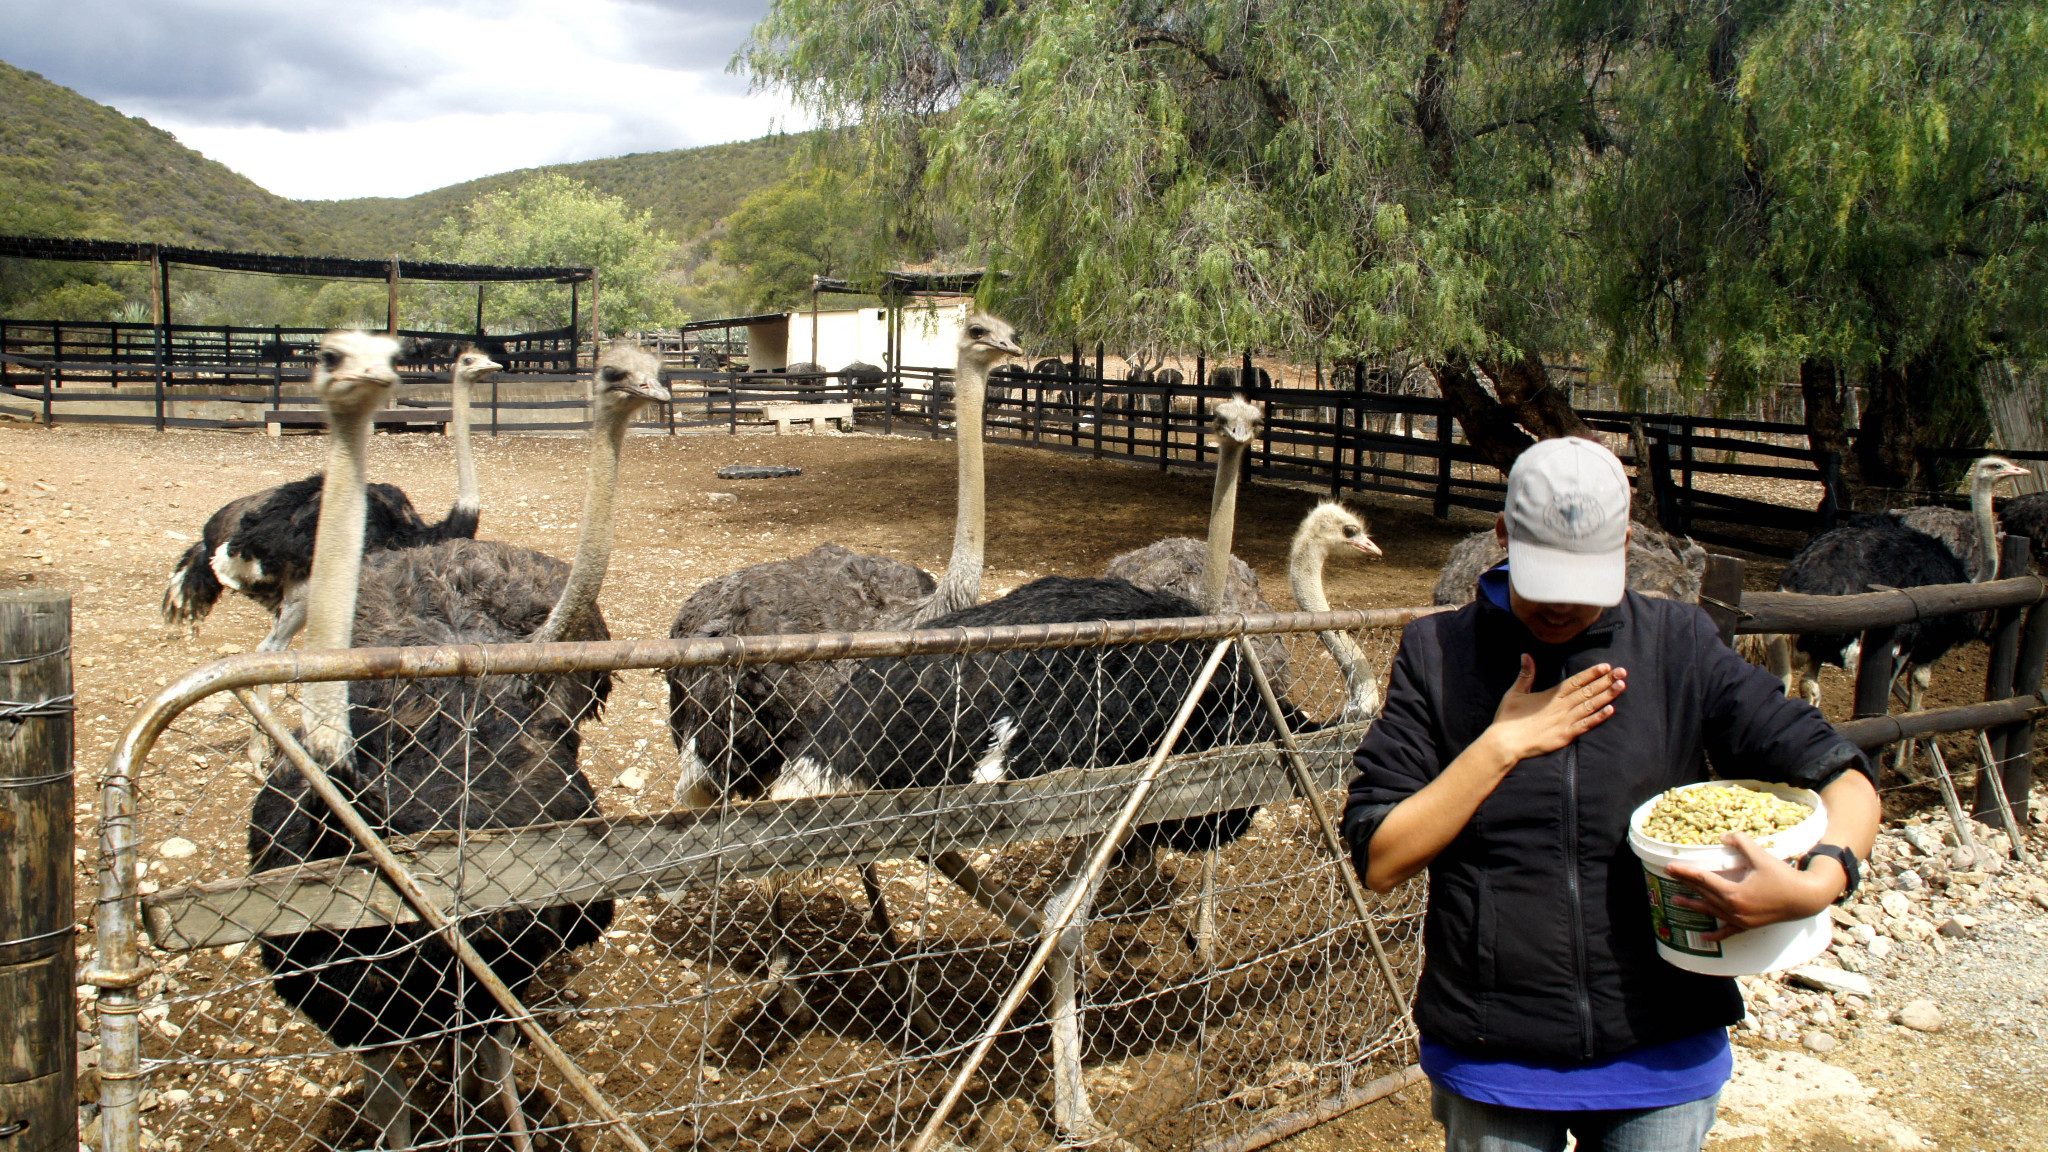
1575,517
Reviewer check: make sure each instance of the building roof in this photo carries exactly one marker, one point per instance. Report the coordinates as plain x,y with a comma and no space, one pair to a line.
905,284
327,267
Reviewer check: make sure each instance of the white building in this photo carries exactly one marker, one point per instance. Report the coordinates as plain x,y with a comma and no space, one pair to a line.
930,329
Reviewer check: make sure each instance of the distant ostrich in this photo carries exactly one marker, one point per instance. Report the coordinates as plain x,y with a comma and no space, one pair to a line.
1207,572
1891,550
927,721
261,545
433,753
1668,565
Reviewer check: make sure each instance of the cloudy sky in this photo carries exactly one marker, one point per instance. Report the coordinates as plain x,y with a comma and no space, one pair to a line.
323,99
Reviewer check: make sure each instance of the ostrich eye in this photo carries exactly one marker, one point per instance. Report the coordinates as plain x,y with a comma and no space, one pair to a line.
614,376
977,332
330,359
1350,531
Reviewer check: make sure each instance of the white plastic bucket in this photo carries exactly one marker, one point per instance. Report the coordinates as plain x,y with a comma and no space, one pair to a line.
1680,931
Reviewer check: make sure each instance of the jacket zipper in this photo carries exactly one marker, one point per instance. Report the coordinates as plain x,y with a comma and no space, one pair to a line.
1578,928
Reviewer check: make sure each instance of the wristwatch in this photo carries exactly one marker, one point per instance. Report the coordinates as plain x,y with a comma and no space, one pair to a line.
1843,856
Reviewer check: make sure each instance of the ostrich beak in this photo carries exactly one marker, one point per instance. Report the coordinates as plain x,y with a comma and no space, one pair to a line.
653,390
2012,470
1006,346
1364,544
488,367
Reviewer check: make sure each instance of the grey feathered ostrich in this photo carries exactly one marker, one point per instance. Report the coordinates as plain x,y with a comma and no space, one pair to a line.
261,545
1668,565
735,728
927,721
418,755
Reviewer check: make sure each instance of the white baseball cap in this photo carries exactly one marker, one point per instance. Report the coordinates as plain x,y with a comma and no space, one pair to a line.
1567,520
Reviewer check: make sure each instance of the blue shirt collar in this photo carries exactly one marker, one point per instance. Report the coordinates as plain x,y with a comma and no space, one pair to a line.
1493,584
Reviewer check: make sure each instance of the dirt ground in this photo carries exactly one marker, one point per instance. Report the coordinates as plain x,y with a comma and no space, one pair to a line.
104,513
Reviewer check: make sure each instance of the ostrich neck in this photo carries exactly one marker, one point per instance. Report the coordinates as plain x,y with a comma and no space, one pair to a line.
960,585
331,588
1222,523
594,543
1987,531
1305,577
467,498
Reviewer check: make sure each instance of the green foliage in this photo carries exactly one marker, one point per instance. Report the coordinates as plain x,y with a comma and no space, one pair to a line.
814,223
553,220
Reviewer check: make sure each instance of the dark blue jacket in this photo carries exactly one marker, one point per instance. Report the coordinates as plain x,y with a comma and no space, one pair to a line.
1537,940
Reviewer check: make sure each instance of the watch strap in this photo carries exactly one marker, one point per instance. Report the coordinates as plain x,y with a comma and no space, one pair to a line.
1843,856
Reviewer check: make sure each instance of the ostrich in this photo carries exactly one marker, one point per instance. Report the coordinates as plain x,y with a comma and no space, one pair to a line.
1671,566
435,753
922,722
261,545
1207,573
735,728
1900,548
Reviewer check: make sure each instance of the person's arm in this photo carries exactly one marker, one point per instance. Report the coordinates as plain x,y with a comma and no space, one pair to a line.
1775,890
1526,724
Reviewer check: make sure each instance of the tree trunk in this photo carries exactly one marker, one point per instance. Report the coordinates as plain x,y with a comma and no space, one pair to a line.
1524,386
1891,429
1433,89
1489,425
1826,393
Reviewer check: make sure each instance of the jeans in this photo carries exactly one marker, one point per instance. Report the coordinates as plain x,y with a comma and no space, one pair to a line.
1470,1126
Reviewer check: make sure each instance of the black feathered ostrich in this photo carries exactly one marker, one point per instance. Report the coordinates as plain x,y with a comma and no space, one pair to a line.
261,545
927,721
1898,548
418,755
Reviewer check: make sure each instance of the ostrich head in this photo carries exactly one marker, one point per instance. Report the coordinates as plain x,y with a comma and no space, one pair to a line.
1991,469
1332,526
1236,420
352,372
986,341
474,364
629,376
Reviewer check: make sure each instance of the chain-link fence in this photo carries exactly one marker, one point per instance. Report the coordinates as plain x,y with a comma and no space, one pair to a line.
989,888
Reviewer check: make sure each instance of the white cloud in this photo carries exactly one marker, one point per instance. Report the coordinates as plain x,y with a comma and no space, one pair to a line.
324,99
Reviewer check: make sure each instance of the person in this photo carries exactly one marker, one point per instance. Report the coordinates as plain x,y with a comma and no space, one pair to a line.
1518,735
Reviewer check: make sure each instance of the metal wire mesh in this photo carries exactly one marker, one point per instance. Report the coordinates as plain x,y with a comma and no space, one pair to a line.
807,971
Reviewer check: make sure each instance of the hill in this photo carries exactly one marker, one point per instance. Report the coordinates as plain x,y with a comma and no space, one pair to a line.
71,166
687,191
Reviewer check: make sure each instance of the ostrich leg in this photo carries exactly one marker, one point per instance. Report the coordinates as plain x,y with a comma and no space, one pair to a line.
494,1058
788,997
384,1098
900,985
1072,1113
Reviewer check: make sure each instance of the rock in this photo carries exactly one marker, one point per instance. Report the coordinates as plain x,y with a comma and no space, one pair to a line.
1880,947
1843,939
1815,1040
1909,880
1918,837
1956,927
1863,934
176,1097
1920,1016
1963,859
632,780
1973,877
721,498
1894,904
176,848
1851,959
1831,980
1842,916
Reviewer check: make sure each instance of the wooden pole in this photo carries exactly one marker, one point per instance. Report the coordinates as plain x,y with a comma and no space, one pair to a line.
1721,594
479,310
39,1063
575,333
1999,674
1442,506
596,320
1874,668
2017,749
391,299
162,284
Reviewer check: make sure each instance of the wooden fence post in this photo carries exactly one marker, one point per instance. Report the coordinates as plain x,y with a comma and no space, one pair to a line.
1999,675
2017,751
1874,667
1165,424
1443,463
1721,593
38,1067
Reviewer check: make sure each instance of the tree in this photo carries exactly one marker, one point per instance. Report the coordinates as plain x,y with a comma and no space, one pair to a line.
814,223
1328,178
552,219
1852,191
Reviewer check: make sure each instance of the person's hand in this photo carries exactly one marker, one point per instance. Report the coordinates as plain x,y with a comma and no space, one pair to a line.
1774,891
1535,723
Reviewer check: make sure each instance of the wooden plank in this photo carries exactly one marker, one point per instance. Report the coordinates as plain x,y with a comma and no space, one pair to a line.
1836,615
621,857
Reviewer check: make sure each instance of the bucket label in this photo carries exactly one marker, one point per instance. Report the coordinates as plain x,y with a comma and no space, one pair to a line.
1680,929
